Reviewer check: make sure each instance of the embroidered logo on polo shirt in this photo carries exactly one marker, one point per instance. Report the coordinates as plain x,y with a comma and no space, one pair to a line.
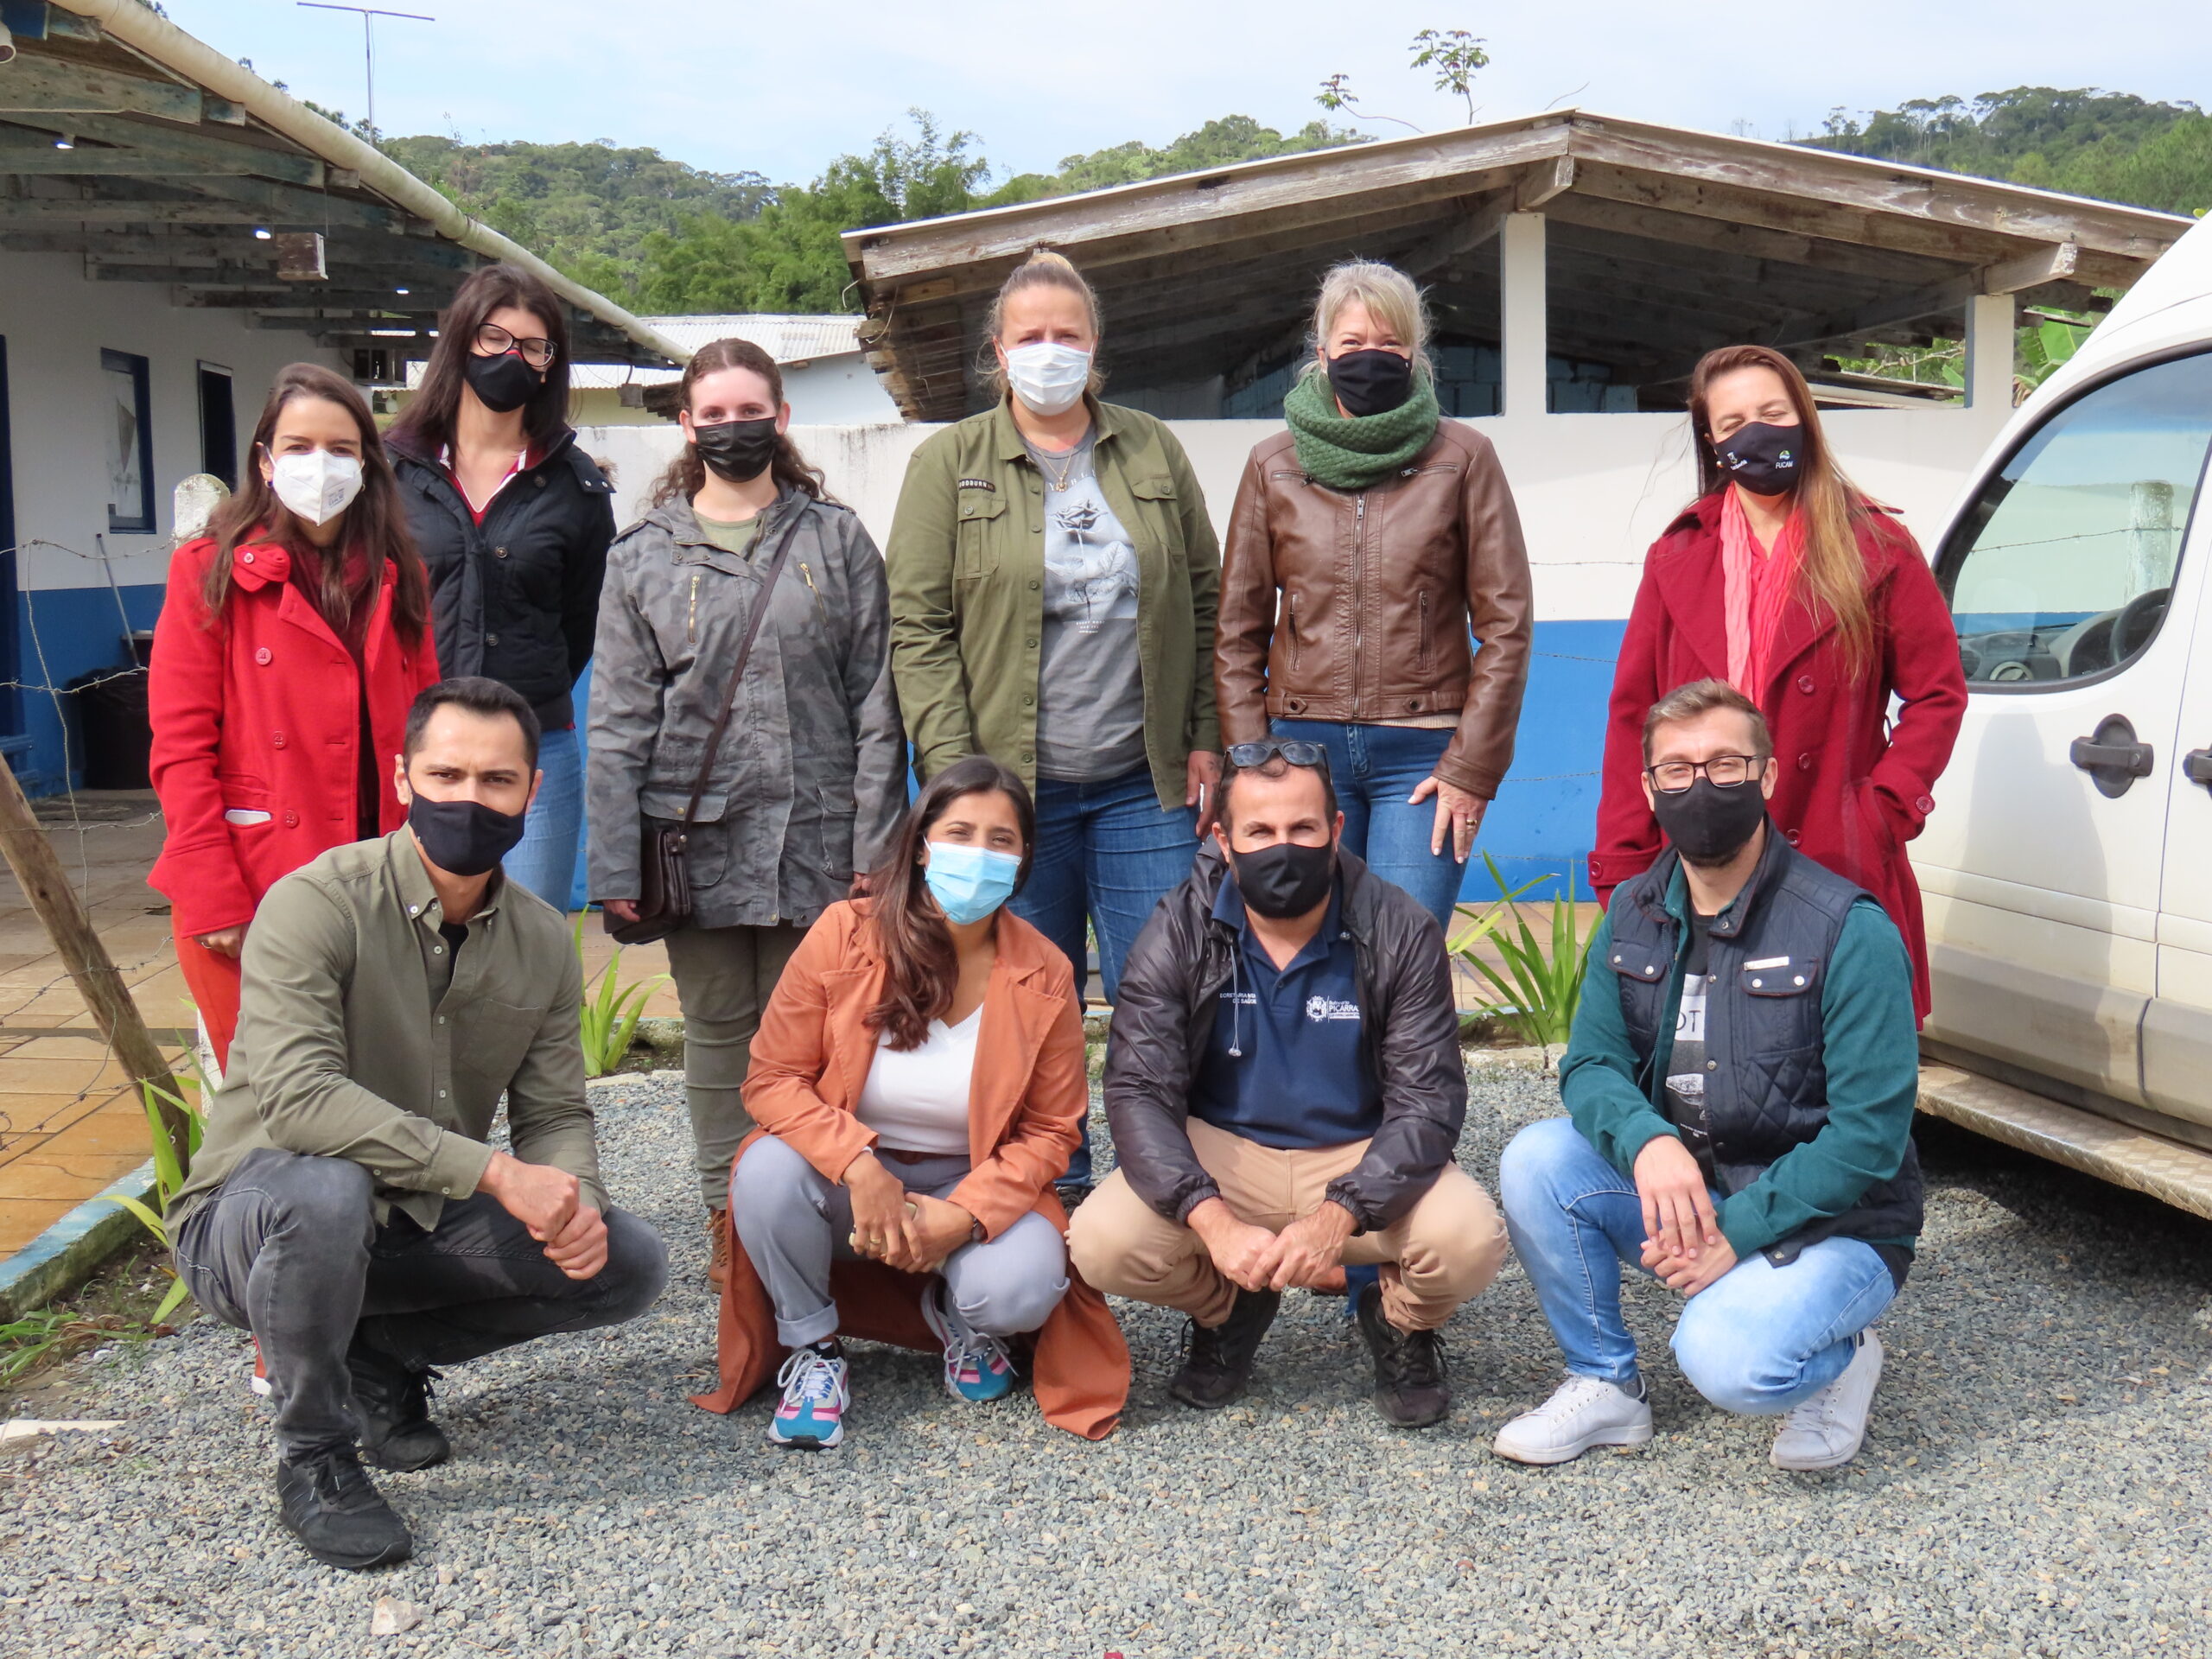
1327,1007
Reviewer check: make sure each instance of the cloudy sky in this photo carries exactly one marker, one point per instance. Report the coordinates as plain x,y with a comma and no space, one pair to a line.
734,85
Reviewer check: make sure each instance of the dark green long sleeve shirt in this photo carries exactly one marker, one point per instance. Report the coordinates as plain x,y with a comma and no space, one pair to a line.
1869,1047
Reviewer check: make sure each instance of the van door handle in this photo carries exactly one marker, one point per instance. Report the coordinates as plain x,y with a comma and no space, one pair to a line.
2112,757
2196,767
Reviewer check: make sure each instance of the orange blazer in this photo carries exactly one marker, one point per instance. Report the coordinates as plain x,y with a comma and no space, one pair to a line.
1026,1100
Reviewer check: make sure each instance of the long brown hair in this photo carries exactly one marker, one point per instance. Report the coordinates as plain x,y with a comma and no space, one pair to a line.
1832,569
921,968
375,521
687,474
426,425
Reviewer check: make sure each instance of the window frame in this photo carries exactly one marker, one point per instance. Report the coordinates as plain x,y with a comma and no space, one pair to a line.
1946,573
140,369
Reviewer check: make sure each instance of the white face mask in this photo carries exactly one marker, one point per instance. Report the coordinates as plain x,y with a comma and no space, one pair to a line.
1048,377
316,485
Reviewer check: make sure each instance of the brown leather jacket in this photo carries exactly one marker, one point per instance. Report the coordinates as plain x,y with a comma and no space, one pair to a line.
1378,593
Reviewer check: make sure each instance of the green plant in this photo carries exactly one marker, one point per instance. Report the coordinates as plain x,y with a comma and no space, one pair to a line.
54,1333
610,1014
168,1178
1537,982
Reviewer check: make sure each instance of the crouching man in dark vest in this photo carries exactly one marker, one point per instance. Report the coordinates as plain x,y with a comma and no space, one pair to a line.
346,1205
1740,1081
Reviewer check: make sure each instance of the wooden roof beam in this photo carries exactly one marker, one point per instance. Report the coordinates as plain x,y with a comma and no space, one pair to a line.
44,85
2054,264
171,144
1750,242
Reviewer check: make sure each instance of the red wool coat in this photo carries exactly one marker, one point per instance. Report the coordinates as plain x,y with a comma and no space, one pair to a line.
1852,789
260,714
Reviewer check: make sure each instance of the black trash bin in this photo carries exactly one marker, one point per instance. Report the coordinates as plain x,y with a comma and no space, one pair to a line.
113,720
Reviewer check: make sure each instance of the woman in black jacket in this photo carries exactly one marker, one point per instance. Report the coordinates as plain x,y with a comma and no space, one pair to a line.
514,521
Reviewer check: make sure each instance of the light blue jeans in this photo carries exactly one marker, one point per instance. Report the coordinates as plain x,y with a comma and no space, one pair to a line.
545,860
1375,769
1107,854
1758,1340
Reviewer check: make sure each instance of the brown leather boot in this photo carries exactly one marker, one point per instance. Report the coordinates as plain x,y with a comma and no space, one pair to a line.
717,1249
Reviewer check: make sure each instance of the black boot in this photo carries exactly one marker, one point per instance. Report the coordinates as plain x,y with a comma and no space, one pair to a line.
1411,1389
332,1506
392,1405
1217,1362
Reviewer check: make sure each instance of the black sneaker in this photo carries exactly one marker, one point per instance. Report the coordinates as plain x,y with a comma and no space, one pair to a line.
1411,1389
332,1506
1217,1362
392,1405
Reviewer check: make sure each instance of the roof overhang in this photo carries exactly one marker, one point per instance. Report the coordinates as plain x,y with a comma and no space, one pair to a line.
1662,237
128,143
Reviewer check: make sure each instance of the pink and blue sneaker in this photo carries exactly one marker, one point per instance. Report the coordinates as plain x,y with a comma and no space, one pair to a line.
817,1388
975,1366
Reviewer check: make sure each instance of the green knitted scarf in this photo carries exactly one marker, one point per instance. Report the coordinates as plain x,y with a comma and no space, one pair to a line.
1352,452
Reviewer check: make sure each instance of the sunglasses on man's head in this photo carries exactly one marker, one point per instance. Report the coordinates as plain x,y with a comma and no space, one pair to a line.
1296,751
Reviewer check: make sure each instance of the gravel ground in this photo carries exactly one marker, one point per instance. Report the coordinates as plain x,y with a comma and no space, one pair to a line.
2035,1483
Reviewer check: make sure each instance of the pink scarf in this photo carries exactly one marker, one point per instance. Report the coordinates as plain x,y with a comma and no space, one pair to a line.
1757,586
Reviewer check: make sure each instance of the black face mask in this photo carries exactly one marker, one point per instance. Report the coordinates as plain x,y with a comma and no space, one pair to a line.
737,450
1285,879
1763,458
1709,824
463,837
502,383
1372,382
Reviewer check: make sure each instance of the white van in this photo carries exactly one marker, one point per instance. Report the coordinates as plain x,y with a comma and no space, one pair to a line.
2068,867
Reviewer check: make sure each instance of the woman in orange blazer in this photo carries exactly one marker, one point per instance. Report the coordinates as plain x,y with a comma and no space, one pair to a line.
918,1084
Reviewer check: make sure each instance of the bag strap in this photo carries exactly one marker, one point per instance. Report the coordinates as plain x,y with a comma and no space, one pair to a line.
737,670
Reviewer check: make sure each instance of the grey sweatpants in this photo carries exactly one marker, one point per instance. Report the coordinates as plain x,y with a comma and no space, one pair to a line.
724,976
794,1221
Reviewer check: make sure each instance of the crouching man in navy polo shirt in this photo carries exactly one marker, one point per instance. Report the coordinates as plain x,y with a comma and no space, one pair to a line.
1740,1083
1286,1091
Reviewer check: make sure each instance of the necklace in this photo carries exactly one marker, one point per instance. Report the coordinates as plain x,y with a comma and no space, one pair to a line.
1045,465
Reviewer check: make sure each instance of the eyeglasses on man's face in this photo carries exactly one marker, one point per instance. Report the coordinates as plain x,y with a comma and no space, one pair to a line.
495,341
1725,771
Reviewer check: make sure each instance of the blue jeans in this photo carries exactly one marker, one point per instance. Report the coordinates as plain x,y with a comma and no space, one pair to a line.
1758,1340
1374,769
1107,854
545,860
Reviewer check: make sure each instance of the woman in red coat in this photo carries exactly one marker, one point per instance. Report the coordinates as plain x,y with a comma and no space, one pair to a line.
292,641
1813,600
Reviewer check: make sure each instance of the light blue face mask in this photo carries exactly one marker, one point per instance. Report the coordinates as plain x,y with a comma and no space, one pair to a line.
969,883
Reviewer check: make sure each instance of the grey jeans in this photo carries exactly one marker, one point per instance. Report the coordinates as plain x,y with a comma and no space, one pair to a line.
724,976
794,1221
288,1248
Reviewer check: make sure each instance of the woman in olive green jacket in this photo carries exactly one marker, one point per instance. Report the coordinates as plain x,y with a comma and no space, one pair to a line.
1053,577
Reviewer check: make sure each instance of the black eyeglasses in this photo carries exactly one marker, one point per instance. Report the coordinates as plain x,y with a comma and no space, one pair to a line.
1296,751
1725,771
496,340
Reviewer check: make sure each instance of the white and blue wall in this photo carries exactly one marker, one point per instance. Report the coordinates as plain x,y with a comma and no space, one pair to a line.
54,324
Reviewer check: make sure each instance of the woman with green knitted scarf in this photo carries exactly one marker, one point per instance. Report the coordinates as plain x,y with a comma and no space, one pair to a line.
1375,592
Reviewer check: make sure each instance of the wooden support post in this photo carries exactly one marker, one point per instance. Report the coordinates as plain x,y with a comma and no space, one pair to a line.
1989,354
1522,316
39,871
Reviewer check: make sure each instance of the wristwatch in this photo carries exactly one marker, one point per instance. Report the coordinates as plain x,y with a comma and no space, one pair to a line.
975,1233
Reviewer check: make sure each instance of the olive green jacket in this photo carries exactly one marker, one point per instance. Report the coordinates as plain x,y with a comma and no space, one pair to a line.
361,1036
967,565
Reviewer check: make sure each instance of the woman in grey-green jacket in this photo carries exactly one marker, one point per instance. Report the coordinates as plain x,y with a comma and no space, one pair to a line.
1053,577
811,773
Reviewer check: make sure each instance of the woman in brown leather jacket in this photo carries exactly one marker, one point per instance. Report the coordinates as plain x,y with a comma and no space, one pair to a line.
1368,543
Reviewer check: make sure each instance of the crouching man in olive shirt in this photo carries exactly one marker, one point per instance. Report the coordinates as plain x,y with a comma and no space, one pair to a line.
345,1207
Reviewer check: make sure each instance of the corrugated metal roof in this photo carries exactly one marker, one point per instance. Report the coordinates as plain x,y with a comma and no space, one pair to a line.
785,337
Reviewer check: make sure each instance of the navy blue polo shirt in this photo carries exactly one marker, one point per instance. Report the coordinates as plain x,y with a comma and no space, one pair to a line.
1301,1080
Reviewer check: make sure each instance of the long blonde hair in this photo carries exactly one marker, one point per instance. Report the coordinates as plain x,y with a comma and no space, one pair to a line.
1390,298
1832,570
1043,269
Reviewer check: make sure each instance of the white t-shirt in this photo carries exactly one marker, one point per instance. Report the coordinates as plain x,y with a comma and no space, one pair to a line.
917,1101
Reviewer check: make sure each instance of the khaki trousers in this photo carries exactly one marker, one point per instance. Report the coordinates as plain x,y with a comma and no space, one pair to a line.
1442,1252
723,979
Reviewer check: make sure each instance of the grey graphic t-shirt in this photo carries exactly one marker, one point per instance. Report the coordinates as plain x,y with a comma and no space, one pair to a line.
1090,688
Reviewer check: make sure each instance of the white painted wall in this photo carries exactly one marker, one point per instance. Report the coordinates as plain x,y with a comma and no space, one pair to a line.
1594,491
56,324
838,391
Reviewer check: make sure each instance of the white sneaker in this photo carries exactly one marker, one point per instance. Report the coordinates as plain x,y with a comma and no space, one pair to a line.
1584,1412
1825,1431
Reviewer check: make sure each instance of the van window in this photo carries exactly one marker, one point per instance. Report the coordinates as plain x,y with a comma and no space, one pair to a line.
2061,570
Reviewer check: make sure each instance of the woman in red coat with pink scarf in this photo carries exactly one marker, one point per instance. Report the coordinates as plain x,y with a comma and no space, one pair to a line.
1813,600
292,639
